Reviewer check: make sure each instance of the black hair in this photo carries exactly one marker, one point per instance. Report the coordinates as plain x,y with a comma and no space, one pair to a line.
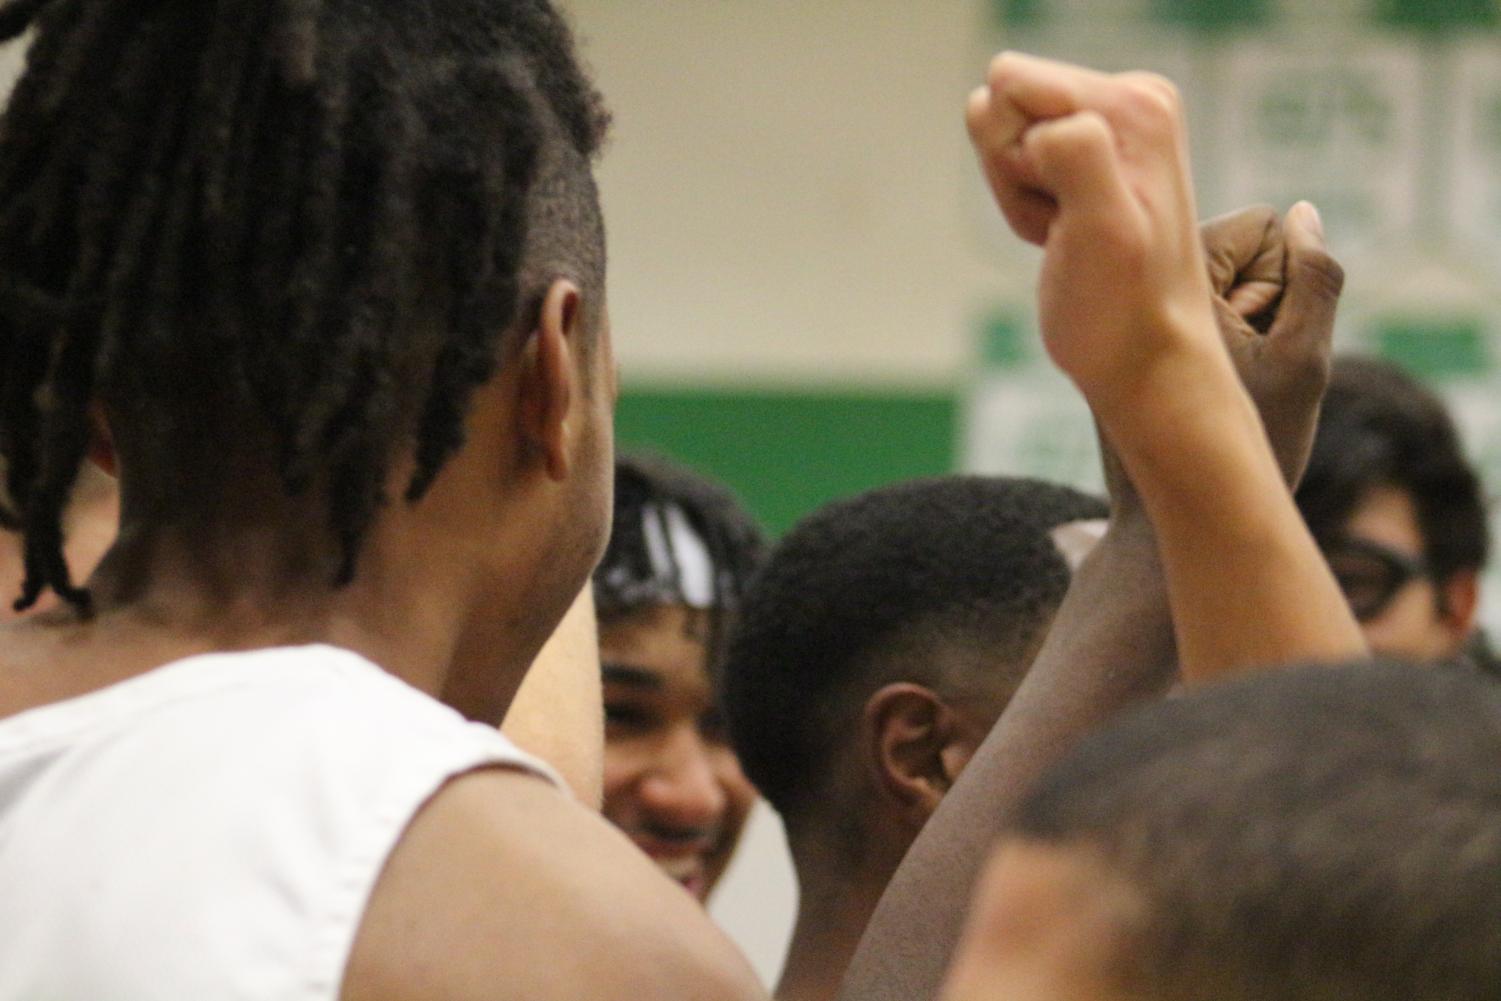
865,591
1381,427
317,218
1307,835
627,579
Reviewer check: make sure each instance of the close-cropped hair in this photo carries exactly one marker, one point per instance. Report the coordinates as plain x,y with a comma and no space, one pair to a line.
298,228
677,538
866,591
1304,835
1381,427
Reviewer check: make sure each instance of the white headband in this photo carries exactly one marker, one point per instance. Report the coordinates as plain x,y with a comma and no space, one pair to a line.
682,550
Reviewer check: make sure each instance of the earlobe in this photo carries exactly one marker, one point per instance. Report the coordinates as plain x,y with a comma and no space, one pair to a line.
552,397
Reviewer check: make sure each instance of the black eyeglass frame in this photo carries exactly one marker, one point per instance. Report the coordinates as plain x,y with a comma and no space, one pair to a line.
1403,569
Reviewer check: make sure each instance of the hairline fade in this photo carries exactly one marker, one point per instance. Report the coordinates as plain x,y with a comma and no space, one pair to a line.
968,557
1308,834
251,203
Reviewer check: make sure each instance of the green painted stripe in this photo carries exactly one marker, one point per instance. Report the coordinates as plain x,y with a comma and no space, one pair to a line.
1434,347
1019,13
1437,15
787,451
1213,15
1006,342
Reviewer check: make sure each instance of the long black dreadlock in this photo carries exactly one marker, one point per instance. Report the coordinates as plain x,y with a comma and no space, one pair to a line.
297,211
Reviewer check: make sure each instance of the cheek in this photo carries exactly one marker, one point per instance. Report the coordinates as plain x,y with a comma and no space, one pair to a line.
740,795
622,767
1409,627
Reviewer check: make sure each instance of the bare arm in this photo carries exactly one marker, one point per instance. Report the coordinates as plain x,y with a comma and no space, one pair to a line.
1110,645
558,714
1111,642
1094,168
503,890
1245,608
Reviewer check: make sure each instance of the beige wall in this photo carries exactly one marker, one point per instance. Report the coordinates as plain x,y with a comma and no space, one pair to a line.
786,186
784,189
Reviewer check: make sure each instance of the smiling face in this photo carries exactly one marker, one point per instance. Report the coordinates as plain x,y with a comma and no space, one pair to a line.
672,783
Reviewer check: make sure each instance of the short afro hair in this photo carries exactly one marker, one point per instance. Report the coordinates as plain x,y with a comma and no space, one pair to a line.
1306,835
1381,427
902,570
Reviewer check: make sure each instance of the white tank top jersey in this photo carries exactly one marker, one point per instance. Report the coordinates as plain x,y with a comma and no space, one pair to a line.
212,829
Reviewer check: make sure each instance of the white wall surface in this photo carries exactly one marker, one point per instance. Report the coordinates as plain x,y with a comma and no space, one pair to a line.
756,902
785,188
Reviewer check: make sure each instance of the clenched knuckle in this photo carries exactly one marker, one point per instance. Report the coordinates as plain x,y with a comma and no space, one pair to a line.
977,121
1078,138
1128,243
1323,272
1093,128
1078,130
1152,97
1040,145
1002,68
1313,369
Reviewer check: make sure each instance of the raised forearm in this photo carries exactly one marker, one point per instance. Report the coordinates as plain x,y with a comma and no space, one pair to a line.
1248,586
1110,645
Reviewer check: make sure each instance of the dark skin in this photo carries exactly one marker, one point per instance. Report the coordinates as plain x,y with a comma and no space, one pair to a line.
1118,598
912,743
1112,644
515,522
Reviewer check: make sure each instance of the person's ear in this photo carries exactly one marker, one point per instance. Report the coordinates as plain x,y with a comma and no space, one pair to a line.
916,747
550,391
1459,604
101,442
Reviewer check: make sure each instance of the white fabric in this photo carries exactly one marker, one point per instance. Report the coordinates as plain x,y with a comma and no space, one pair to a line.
212,829
695,569
1076,540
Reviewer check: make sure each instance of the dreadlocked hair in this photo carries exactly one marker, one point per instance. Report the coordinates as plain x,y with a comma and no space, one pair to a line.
313,214
628,580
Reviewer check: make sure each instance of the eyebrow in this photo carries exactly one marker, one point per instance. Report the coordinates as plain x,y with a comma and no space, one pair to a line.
625,674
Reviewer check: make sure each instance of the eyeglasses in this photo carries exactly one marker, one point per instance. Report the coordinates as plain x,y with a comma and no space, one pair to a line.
1371,574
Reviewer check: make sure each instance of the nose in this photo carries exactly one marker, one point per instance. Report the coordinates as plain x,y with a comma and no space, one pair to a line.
681,786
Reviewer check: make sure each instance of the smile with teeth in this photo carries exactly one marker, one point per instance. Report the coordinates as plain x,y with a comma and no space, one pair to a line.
683,868
682,854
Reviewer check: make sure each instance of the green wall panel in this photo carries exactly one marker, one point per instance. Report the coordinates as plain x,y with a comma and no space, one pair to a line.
1213,15
1437,15
1019,13
1435,347
787,451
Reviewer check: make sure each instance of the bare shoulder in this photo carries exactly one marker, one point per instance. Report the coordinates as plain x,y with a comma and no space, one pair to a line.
502,889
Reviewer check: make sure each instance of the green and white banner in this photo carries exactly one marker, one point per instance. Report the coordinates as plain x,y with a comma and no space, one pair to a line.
1385,114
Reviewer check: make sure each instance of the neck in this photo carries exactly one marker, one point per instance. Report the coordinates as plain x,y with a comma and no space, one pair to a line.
836,898
201,589
263,575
